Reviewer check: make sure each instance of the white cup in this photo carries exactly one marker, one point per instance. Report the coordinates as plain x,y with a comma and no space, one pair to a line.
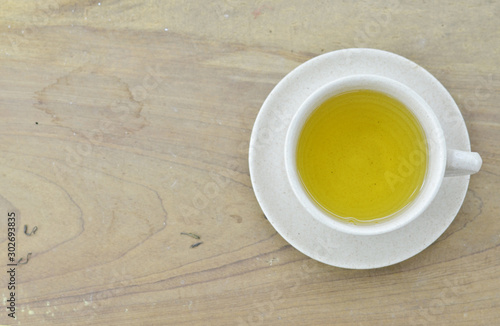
442,161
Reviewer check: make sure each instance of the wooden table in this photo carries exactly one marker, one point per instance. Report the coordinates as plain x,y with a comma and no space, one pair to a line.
125,123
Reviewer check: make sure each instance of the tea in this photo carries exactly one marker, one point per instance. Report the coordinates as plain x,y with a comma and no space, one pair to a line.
362,156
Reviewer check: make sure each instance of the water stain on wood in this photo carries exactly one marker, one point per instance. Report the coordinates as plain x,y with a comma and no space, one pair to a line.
87,98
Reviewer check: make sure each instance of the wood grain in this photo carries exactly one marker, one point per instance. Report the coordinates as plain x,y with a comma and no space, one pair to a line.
125,123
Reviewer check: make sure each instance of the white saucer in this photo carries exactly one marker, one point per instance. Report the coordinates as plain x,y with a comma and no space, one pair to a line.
276,198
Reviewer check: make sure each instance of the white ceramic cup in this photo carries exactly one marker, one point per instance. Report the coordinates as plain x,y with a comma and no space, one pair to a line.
442,161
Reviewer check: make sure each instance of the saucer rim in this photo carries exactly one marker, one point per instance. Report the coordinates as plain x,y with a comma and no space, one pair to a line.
455,189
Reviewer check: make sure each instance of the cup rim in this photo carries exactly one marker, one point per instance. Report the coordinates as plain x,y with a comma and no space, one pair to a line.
427,119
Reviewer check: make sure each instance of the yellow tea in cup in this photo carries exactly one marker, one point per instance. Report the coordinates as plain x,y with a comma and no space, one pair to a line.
362,156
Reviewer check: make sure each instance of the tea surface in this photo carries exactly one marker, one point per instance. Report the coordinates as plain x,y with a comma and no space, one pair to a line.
362,156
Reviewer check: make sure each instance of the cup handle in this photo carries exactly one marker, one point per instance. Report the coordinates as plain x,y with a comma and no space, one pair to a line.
462,163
